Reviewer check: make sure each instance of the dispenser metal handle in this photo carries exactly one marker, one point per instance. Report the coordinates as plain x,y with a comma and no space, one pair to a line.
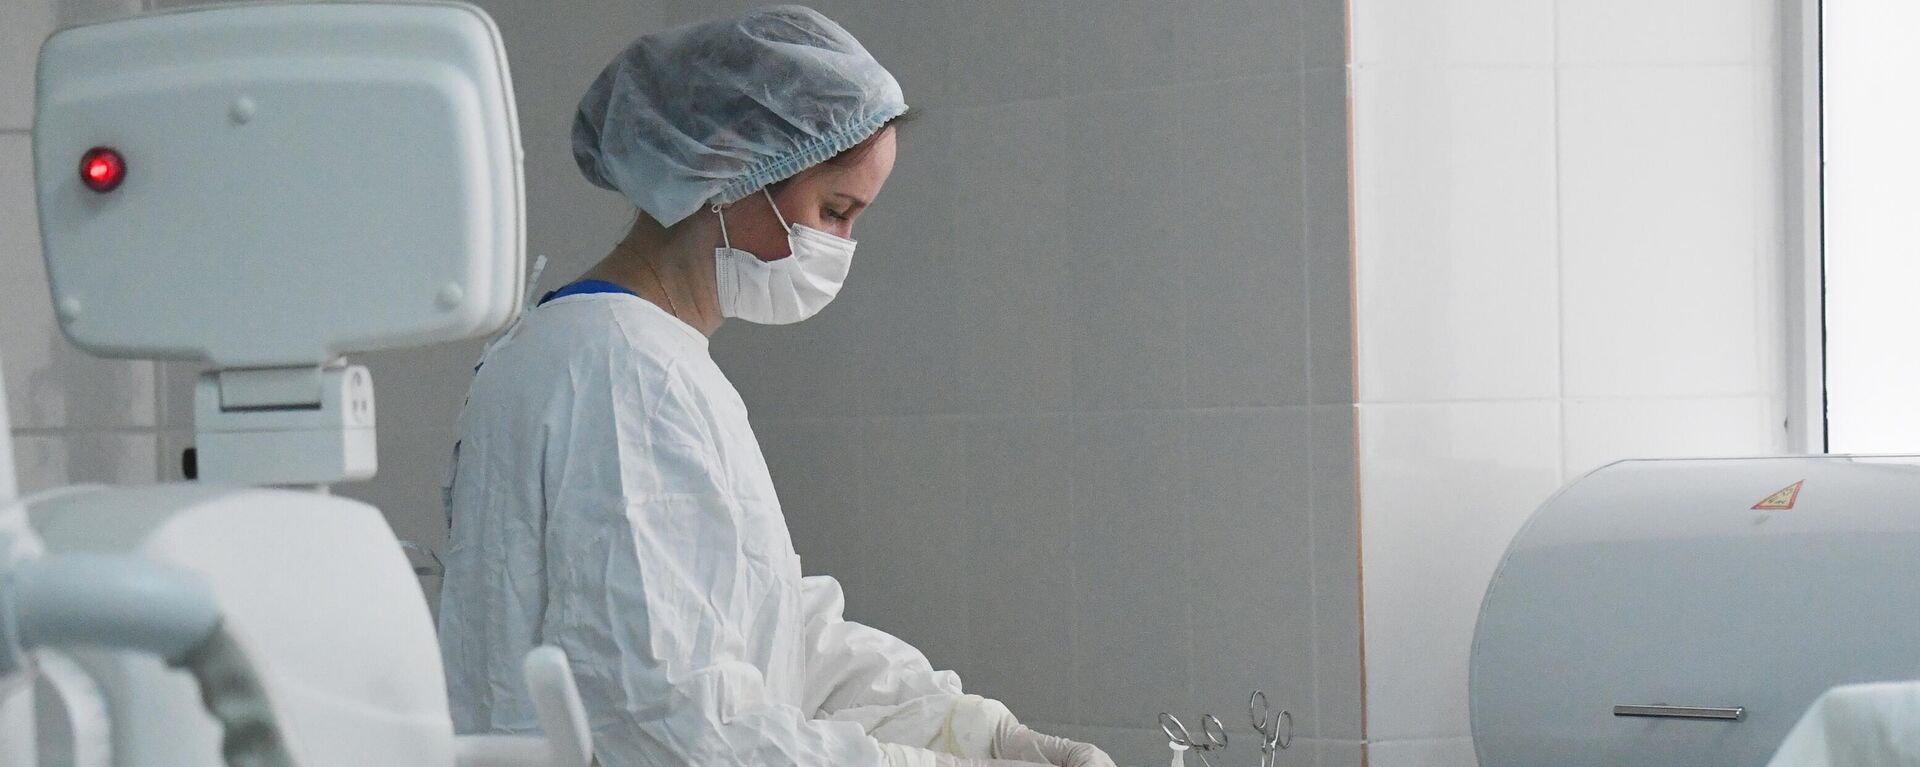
436,569
1716,713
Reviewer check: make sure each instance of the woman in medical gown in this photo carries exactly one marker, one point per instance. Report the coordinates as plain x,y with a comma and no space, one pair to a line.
608,495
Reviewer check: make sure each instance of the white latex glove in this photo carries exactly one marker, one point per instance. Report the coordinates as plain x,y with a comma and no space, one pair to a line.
908,756
945,760
1013,740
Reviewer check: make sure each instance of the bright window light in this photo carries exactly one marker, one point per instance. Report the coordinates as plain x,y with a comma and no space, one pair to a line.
1870,123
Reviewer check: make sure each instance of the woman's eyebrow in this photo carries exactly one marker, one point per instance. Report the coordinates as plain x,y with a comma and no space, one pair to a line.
857,202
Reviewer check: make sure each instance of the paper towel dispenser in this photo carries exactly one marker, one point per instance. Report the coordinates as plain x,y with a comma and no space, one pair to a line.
1688,611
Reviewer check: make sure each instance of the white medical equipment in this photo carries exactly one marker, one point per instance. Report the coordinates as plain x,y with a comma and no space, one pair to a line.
264,188
1689,611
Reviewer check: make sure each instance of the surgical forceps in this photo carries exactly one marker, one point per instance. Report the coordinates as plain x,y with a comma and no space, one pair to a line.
1279,737
1180,739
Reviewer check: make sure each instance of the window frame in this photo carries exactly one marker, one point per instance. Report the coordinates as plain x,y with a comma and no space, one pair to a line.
1806,401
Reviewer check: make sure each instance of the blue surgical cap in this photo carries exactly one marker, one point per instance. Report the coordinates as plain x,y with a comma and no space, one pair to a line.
713,111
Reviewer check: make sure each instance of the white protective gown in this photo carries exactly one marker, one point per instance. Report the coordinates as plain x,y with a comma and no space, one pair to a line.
1859,725
609,497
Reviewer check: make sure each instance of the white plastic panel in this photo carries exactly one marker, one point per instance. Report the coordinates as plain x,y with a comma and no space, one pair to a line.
7,486
1658,582
302,181
315,587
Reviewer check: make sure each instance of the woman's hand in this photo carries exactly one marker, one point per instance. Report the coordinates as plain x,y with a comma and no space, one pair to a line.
1018,741
908,756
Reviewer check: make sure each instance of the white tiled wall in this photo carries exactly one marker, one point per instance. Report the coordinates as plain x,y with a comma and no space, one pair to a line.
1455,210
1094,364
1669,304
1443,488
1565,258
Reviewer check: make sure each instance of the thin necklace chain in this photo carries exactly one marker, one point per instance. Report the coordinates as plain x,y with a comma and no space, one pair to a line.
657,282
662,284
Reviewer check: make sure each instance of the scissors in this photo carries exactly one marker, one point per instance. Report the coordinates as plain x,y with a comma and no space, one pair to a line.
1181,739
1274,735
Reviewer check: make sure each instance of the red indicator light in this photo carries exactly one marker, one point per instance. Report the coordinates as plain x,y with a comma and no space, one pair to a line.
102,169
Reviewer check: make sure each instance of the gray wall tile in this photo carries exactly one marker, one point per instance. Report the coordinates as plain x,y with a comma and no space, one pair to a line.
1328,205
1324,37
896,316
420,388
913,520
1013,260
911,39
1020,570
818,471
72,12
1123,44
1117,46
1133,640
1248,501
1336,574
1224,39
802,370
1121,211
1001,50
1240,234
23,25
1339,753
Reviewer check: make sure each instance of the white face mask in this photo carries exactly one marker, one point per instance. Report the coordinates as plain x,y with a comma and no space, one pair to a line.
785,291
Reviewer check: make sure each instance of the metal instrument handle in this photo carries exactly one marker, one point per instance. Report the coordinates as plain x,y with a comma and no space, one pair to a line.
1258,709
1261,714
1716,713
1216,732
435,569
1176,732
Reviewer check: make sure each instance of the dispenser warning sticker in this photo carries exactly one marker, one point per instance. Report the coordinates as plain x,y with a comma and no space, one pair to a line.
1782,500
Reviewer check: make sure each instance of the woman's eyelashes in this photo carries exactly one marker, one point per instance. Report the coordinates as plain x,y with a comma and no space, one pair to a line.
837,215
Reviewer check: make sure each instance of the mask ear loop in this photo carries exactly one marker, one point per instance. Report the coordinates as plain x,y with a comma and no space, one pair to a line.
723,227
784,226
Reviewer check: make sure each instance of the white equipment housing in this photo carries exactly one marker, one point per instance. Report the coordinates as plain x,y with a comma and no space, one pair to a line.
299,182
313,586
303,181
264,188
1662,612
